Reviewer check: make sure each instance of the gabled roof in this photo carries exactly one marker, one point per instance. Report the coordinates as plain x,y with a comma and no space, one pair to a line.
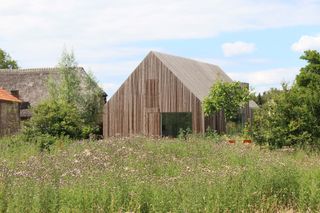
6,96
32,83
197,76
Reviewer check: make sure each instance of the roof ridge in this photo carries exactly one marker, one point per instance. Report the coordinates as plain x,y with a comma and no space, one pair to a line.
197,76
37,69
182,57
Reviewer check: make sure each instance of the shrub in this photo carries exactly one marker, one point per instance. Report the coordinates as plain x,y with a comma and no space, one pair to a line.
184,133
228,97
291,117
55,118
212,135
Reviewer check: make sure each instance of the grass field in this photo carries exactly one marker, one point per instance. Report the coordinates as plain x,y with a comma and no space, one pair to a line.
151,175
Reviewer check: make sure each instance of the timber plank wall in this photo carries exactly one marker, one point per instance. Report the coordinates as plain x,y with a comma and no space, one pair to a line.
151,89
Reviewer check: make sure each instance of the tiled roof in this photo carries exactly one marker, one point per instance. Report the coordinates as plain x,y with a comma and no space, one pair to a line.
6,96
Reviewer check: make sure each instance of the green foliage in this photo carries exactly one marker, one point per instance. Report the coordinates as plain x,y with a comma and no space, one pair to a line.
247,131
212,135
266,96
6,62
313,59
55,118
291,117
184,133
74,108
92,104
69,88
86,95
229,97
157,175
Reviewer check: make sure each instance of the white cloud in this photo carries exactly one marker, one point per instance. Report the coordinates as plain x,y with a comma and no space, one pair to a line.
263,80
125,20
237,48
120,70
107,35
306,43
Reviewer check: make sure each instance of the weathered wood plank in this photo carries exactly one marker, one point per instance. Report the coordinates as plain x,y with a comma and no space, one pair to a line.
151,89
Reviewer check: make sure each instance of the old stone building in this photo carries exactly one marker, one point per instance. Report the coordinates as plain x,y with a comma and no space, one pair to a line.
31,85
9,113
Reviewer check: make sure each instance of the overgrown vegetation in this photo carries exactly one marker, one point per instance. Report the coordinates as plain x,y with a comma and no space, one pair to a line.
291,117
151,175
6,62
266,96
46,170
74,108
228,97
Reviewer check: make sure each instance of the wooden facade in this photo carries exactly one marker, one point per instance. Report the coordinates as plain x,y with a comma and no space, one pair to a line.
152,89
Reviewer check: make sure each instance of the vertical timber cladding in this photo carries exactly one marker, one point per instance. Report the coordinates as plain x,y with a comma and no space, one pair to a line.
151,89
176,97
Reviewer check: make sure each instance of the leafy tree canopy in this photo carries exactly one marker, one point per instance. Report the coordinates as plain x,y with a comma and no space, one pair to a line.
291,117
266,96
229,97
6,62
74,107
56,118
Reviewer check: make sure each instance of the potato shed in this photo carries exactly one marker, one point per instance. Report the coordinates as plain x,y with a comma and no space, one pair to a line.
162,95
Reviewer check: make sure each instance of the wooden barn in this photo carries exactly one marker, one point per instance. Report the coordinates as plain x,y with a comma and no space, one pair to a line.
9,113
162,95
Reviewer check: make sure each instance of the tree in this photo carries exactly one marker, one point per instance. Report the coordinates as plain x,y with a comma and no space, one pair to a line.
6,62
266,96
55,118
226,97
291,117
73,104
259,100
92,102
69,89
86,94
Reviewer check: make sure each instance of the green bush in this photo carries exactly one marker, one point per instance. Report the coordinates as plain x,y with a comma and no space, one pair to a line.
74,106
212,135
184,133
291,117
55,118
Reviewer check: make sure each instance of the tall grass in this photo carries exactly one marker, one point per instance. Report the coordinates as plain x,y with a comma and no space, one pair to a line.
156,175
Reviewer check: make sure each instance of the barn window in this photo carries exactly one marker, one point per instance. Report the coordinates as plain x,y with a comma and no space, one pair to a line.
152,93
172,122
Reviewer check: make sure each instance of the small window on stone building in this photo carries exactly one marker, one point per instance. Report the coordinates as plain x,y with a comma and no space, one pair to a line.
25,105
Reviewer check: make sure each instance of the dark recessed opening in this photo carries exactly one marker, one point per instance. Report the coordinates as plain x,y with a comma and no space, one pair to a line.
25,105
15,93
172,122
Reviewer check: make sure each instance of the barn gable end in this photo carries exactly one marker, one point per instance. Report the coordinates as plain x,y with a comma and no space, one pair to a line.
151,90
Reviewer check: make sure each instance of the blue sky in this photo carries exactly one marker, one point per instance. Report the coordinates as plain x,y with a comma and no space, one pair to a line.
259,42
